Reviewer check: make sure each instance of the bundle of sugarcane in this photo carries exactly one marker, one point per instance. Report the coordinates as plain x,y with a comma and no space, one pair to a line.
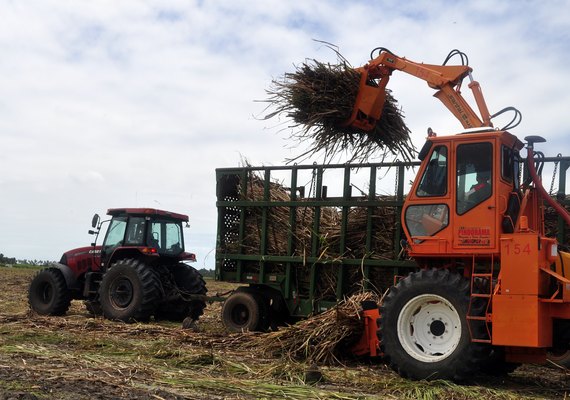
382,224
278,221
320,97
323,338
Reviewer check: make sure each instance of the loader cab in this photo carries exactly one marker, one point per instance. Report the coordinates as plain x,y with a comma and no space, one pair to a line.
461,194
143,232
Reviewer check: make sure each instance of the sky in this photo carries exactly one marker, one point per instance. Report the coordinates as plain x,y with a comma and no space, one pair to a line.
135,103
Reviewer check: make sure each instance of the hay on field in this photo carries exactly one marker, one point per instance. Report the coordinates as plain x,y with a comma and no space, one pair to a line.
324,338
319,98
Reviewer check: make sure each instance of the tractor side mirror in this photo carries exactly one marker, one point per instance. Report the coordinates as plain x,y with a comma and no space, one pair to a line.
95,221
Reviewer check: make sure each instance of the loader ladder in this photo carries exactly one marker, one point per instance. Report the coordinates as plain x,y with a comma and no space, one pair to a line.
481,295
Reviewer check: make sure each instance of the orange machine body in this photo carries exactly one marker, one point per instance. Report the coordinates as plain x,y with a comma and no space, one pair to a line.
468,211
449,232
446,79
499,237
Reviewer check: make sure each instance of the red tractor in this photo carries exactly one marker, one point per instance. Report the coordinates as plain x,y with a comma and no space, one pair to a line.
139,271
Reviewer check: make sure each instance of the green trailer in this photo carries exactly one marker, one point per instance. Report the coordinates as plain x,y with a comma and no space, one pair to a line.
302,237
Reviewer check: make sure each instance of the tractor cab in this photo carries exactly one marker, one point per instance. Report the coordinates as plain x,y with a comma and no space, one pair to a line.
466,186
138,271
144,231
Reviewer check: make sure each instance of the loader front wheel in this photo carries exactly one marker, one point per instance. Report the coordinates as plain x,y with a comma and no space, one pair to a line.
48,293
423,327
244,311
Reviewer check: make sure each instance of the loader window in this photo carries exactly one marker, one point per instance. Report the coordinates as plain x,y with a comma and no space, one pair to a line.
510,165
474,175
507,168
434,179
426,220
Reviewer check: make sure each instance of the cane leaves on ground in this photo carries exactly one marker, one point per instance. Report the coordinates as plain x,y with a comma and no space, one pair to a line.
80,357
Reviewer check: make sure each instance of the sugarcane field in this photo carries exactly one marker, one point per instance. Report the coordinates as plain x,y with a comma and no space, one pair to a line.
79,356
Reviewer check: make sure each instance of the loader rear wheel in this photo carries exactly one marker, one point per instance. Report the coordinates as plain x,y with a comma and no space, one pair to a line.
423,327
188,282
244,311
48,293
129,291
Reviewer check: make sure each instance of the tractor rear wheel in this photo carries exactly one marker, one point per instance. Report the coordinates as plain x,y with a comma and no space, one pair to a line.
423,327
188,282
244,311
48,293
129,291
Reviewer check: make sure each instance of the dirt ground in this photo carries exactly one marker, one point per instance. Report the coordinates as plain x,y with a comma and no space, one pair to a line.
81,357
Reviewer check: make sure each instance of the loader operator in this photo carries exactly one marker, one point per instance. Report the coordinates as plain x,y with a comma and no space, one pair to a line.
481,190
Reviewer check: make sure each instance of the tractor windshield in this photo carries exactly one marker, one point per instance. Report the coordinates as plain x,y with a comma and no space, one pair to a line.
115,234
166,237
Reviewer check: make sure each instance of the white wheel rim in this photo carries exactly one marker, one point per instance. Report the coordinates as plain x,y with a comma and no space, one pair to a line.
429,328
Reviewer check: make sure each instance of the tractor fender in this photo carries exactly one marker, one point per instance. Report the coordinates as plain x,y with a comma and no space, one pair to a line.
70,278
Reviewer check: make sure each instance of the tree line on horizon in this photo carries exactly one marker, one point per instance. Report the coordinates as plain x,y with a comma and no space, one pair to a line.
13,261
4,260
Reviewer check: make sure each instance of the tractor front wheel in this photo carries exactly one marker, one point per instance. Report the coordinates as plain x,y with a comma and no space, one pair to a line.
48,293
129,291
423,327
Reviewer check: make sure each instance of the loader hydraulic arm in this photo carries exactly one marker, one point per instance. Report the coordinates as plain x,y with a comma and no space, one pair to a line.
446,79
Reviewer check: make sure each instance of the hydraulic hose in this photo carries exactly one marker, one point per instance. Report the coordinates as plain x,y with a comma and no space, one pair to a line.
541,191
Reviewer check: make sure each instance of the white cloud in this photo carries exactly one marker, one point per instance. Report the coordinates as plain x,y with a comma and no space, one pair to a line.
111,104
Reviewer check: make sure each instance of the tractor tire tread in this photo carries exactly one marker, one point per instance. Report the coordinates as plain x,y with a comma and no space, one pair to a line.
60,301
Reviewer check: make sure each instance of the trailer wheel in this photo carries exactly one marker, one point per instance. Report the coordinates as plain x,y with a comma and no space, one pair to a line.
423,327
48,293
129,291
559,358
188,282
244,311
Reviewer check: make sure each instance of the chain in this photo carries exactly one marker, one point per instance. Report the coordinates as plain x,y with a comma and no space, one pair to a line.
554,174
397,179
313,181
